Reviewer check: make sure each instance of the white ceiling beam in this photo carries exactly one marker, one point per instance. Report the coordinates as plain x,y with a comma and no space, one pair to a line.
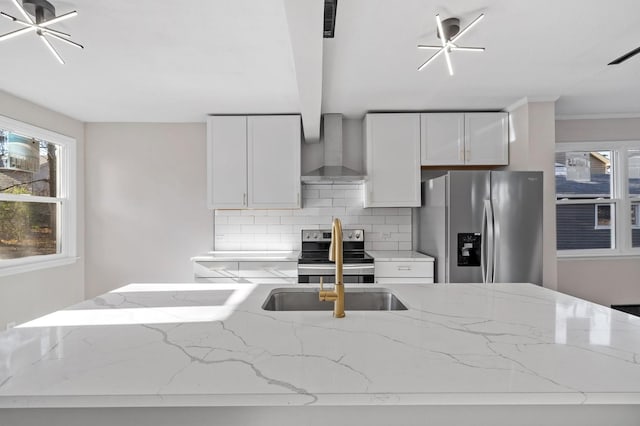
305,20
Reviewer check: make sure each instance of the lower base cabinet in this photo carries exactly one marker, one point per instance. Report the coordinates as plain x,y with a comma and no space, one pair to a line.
401,272
246,272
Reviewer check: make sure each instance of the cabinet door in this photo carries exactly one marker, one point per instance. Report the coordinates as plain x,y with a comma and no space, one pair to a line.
227,162
268,269
442,139
274,161
486,138
392,144
205,269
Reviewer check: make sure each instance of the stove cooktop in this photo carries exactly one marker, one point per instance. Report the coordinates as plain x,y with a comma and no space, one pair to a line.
316,243
323,257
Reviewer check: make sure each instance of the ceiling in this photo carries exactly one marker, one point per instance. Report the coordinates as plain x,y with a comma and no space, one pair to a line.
154,61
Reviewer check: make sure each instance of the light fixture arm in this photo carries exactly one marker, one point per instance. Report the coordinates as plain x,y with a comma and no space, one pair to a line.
15,33
467,28
59,19
443,39
64,39
26,16
26,24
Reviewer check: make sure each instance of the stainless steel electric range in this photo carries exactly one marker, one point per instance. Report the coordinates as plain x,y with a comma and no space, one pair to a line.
314,262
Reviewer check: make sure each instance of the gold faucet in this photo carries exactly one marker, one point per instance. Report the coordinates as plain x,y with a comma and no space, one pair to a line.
335,254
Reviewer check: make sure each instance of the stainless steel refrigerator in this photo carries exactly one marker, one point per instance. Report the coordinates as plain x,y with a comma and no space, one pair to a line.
483,226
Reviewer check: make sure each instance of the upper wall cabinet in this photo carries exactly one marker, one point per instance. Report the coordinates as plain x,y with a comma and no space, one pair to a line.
442,139
253,162
474,138
227,162
273,160
392,152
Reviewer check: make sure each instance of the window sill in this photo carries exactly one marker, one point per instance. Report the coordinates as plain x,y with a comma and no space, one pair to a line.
598,256
34,265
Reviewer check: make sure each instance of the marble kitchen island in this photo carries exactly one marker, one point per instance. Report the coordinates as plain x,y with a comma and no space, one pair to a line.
192,354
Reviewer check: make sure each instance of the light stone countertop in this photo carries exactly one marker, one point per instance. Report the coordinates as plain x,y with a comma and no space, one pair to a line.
399,255
206,345
247,256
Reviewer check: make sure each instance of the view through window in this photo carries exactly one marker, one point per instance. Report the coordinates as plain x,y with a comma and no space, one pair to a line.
28,168
598,197
37,187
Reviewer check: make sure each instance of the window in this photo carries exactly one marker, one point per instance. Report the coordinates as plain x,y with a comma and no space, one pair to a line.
598,198
635,215
37,197
603,216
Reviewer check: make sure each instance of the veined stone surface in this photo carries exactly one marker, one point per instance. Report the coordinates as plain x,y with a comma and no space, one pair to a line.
188,344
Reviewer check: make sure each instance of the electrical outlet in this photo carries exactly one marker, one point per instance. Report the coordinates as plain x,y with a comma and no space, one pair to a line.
386,235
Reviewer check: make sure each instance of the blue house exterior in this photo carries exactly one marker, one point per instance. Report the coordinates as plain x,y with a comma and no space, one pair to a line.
585,226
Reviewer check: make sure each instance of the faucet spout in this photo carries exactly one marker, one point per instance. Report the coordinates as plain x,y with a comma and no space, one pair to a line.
336,255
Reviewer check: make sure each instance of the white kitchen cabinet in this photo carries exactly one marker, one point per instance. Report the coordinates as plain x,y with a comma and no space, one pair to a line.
274,161
486,138
227,155
213,271
249,272
442,139
253,162
403,272
473,138
402,267
392,152
269,272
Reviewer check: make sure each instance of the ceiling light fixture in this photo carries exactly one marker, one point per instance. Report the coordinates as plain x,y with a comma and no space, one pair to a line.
449,33
625,57
45,16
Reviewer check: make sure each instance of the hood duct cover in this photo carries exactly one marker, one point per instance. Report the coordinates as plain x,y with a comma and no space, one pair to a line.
333,171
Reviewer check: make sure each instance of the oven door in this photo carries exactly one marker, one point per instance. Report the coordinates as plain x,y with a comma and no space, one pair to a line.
362,273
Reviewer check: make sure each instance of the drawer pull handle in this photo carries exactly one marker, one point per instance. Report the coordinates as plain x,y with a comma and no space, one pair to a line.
404,268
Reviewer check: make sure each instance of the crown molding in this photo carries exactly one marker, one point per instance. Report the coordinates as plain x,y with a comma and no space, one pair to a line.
561,117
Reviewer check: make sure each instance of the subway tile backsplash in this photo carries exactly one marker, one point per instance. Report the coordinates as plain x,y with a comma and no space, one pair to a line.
385,228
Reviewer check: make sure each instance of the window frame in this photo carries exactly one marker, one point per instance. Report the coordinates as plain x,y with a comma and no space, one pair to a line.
635,206
597,215
620,199
66,200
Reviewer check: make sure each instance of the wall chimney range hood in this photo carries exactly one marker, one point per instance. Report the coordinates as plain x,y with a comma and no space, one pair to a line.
333,172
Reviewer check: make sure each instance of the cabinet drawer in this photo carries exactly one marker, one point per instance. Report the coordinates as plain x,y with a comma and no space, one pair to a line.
404,280
218,280
404,269
215,269
281,281
268,269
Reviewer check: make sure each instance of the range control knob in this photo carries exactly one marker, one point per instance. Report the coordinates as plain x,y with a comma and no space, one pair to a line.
315,235
357,235
306,236
350,235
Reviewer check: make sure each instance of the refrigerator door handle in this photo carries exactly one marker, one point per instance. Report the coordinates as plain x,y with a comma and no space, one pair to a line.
483,243
487,250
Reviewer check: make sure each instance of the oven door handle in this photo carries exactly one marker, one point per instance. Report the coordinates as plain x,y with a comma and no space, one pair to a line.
332,267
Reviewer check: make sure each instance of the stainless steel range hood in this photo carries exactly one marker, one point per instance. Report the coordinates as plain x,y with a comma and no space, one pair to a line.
333,171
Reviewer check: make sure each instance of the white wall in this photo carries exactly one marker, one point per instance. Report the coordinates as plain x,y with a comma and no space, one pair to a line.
602,280
28,295
532,147
145,203
385,228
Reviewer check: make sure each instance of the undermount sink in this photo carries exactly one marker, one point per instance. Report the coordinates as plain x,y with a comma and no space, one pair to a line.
306,299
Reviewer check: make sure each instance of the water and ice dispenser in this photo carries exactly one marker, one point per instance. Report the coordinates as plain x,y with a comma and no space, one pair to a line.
469,246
